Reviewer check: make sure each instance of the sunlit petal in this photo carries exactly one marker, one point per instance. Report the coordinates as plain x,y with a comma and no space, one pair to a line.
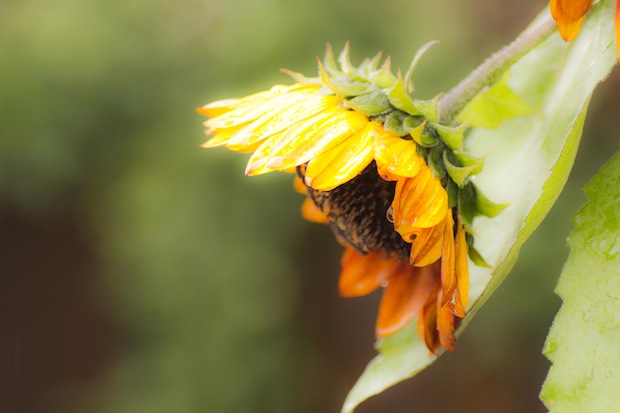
252,112
396,157
281,118
343,162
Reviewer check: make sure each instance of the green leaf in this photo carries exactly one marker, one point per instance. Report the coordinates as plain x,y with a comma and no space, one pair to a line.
583,343
529,159
495,105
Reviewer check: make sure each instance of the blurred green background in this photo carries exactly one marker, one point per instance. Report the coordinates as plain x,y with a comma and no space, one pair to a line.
141,273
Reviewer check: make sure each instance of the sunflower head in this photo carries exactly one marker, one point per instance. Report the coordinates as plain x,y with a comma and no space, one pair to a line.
378,167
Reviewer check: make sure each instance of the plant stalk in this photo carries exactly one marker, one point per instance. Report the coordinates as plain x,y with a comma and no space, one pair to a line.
491,70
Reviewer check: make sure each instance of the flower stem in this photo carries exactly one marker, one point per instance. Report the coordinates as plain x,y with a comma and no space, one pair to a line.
491,71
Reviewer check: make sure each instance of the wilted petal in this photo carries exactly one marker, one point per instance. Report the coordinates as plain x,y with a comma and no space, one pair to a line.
445,327
427,319
362,274
448,274
462,272
404,297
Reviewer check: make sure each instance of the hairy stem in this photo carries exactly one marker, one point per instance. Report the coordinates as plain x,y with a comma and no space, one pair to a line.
491,71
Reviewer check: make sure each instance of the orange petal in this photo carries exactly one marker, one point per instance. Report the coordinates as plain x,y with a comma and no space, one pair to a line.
396,157
342,163
419,202
462,272
427,321
427,244
448,274
569,15
362,274
313,213
299,186
570,30
404,297
445,326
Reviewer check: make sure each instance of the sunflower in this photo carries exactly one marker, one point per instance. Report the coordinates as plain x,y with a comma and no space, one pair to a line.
377,167
570,14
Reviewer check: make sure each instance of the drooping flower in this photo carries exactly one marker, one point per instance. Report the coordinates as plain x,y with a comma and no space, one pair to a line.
570,14
391,182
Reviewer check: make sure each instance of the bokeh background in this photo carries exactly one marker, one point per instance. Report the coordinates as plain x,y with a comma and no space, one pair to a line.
141,273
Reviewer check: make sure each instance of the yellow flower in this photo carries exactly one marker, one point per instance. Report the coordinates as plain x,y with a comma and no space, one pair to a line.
390,182
570,14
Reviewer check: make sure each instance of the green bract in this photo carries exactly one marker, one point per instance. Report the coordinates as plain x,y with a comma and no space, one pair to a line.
528,159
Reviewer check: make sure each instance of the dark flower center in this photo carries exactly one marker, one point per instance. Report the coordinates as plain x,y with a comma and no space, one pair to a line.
357,213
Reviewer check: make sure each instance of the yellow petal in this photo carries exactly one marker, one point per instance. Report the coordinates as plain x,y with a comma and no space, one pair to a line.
320,134
261,107
396,157
270,155
262,154
343,162
220,107
419,202
280,119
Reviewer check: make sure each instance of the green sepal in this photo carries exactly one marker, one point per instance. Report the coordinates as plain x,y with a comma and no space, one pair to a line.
428,108
416,59
417,132
468,160
452,136
400,99
384,78
371,104
487,207
345,64
343,85
467,204
459,174
369,66
330,62
395,123
473,253
435,161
